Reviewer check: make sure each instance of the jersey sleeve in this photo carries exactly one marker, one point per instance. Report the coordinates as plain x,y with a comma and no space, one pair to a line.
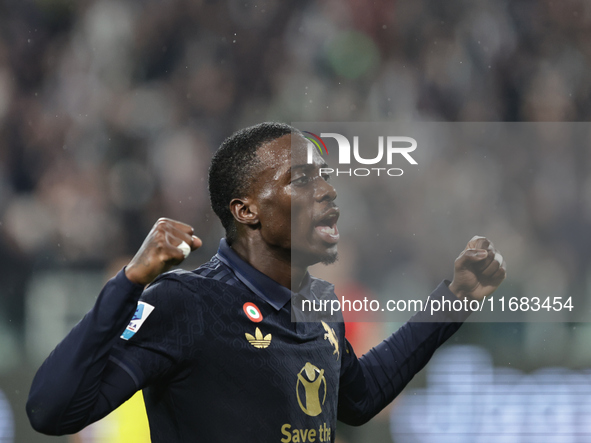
78,384
369,383
119,347
155,345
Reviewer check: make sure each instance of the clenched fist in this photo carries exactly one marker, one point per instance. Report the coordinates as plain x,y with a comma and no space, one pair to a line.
160,251
479,270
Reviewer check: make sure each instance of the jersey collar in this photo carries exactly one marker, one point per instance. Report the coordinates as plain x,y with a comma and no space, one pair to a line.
259,283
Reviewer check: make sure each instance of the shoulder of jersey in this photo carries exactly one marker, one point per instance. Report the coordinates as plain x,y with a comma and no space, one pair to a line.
179,275
175,284
180,283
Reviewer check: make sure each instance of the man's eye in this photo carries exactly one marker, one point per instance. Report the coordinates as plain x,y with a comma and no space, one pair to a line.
326,177
302,179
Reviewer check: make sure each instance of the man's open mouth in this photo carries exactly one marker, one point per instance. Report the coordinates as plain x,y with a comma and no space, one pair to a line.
327,227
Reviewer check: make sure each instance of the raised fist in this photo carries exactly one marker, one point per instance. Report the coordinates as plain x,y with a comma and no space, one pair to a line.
479,270
160,250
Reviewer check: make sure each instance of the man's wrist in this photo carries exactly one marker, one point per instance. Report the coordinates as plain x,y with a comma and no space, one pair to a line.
458,292
131,275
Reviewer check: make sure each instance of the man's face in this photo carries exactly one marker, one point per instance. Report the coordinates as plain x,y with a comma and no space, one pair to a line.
295,203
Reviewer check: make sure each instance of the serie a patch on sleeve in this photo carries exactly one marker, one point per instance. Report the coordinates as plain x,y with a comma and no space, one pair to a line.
142,312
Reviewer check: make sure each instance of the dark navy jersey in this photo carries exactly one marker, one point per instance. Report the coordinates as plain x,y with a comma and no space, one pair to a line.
219,359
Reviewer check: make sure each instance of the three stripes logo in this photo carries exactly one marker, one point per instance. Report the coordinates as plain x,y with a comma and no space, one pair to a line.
257,340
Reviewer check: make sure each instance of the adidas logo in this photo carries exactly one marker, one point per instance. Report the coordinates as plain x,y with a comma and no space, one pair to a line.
258,341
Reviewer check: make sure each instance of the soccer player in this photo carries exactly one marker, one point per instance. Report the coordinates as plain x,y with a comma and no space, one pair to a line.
215,350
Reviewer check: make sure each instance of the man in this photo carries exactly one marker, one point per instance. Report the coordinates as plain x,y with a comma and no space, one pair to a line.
215,350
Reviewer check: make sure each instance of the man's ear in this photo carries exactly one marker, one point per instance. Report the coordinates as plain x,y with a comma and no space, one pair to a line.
245,211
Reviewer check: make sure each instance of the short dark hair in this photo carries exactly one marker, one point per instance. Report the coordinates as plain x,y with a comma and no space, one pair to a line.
233,166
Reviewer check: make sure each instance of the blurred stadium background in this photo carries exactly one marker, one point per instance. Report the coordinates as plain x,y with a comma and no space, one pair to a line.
110,110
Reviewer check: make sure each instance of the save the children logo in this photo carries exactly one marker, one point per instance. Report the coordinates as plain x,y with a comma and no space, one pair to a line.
389,148
310,380
311,392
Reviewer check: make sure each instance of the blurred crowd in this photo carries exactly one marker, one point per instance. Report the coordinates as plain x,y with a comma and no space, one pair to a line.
110,110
